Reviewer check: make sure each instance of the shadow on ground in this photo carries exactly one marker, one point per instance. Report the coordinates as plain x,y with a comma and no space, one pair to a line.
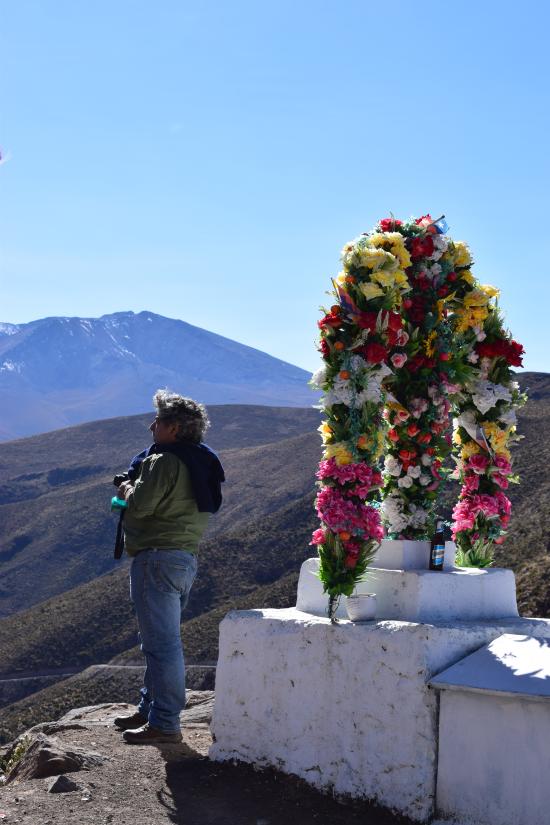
201,792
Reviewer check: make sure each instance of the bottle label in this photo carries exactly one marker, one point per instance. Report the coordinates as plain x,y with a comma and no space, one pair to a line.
437,555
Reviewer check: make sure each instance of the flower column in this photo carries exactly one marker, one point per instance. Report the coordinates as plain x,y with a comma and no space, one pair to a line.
361,336
485,423
418,409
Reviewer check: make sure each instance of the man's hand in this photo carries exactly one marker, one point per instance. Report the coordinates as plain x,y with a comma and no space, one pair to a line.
125,488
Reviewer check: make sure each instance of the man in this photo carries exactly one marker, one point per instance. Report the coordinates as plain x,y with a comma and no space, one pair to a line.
177,483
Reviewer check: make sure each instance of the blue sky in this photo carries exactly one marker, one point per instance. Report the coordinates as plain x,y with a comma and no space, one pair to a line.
208,161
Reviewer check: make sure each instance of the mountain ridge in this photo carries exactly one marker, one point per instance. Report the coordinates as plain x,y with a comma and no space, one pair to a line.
61,370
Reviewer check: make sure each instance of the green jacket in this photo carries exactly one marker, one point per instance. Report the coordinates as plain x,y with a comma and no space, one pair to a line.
162,511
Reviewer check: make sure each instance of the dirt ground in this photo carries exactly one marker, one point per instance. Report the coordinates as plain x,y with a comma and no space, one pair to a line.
153,785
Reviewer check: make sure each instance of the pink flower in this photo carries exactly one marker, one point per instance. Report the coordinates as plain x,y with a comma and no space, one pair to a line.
471,484
318,536
501,480
398,359
503,464
478,463
346,472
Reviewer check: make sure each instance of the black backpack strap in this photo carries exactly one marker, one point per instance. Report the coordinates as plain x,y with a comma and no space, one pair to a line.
119,542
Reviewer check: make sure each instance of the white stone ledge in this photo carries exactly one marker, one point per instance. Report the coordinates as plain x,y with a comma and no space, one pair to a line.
421,595
344,706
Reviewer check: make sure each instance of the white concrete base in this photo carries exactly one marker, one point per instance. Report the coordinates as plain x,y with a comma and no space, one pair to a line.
494,734
402,554
345,706
421,595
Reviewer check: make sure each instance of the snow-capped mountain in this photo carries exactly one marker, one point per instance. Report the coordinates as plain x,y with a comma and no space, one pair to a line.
55,372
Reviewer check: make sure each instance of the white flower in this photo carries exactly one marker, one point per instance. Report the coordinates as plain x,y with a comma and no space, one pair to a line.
425,480
319,377
418,516
357,364
392,466
426,460
473,358
509,418
414,471
405,481
486,395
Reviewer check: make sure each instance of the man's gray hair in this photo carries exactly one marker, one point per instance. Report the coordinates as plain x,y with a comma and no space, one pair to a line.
190,415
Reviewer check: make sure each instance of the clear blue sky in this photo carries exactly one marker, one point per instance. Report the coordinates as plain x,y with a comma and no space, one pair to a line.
208,160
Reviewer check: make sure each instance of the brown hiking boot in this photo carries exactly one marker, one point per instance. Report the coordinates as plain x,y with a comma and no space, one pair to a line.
147,735
133,721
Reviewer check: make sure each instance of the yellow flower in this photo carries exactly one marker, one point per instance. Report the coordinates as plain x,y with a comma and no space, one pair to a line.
467,276
498,438
341,278
339,451
373,258
469,449
378,238
476,298
401,279
384,278
326,432
429,347
490,291
381,443
396,244
456,438
504,453
462,254
371,290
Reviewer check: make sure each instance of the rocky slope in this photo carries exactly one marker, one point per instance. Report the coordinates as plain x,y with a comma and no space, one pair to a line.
78,769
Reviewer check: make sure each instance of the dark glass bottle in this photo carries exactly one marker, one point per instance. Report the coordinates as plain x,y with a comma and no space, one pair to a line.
437,550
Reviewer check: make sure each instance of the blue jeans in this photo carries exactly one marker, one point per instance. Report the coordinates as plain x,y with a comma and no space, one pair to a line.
160,581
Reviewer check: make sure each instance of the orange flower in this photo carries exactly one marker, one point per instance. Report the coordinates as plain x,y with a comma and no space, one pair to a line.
344,375
344,535
339,345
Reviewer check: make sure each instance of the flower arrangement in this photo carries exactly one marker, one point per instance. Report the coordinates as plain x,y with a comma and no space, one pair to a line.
410,340
485,421
361,339
418,409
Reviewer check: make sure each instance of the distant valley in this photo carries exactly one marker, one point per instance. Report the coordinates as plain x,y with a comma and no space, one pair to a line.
65,601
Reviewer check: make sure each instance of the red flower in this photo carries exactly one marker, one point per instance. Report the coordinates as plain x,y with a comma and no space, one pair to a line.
421,247
331,319
366,320
375,353
389,224
395,321
511,351
324,348
393,435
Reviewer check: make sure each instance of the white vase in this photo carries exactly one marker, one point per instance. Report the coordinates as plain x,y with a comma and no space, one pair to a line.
362,607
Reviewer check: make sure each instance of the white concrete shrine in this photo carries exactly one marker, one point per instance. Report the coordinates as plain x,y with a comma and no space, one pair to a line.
348,706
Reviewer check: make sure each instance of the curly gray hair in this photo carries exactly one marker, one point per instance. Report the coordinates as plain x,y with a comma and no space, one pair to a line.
190,415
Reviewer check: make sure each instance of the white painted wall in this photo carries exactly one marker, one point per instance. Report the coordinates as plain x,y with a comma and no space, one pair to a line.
494,757
344,706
